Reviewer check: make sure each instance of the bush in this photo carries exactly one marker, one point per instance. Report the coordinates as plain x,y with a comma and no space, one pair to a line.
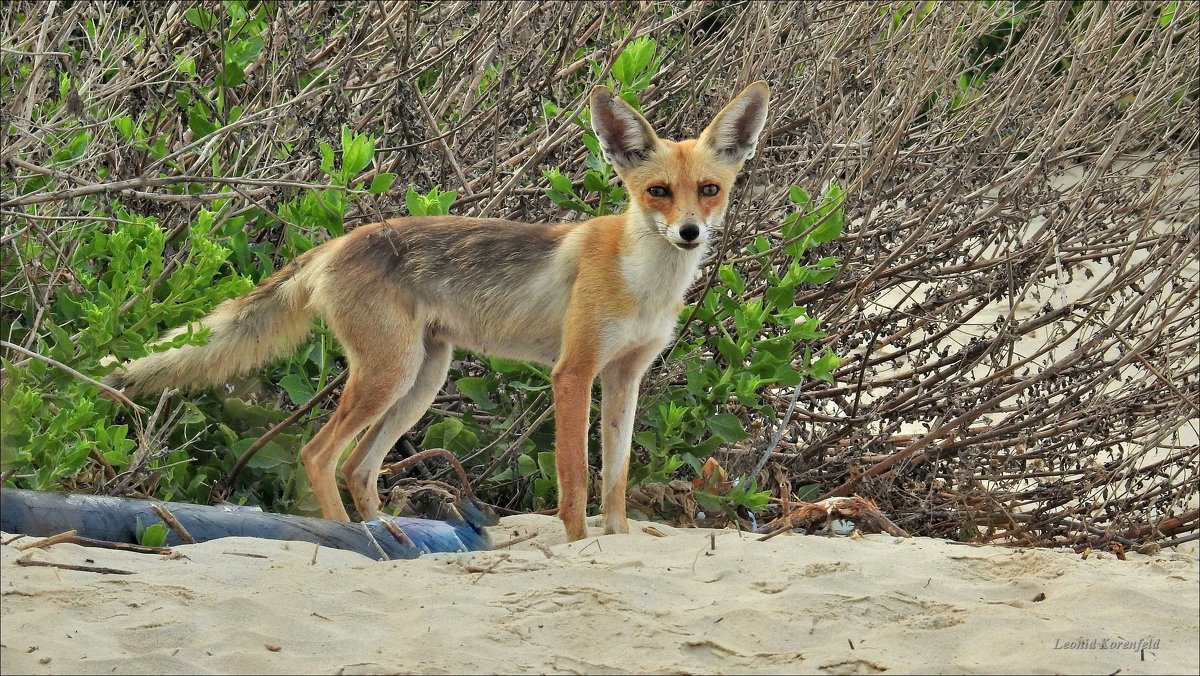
957,278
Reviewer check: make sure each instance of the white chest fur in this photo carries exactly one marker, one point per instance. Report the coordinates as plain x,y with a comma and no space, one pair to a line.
658,274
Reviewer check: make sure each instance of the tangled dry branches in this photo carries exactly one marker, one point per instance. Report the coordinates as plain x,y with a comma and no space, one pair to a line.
1018,306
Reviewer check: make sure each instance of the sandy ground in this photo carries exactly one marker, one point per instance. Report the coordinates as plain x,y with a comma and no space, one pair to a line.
692,601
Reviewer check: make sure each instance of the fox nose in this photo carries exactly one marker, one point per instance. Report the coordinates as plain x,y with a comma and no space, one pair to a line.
689,231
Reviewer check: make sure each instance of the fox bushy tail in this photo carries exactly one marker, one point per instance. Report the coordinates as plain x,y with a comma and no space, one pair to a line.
245,332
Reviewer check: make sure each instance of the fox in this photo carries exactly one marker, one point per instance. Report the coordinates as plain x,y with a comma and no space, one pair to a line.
599,297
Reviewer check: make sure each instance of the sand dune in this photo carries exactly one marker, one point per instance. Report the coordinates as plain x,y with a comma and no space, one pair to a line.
692,601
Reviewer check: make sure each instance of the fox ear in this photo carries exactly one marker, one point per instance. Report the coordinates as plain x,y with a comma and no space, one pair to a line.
625,136
733,133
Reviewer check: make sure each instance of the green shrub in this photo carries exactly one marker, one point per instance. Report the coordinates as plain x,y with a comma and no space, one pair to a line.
131,277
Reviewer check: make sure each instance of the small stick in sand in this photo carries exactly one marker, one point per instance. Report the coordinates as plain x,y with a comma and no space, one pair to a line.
169,518
47,542
484,570
119,546
509,543
26,561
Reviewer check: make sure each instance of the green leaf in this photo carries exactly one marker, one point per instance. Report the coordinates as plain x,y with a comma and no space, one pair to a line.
357,159
186,65
823,367
798,196
782,297
594,181
124,125
327,158
244,415
710,503
794,225
807,330
412,200
819,273
299,389
634,60
1168,13
273,456
526,465
727,426
357,152
647,440
592,144
706,447
441,434
829,230
832,213
200,18
785,376
478,390
560,182
732,353
244,52
507,366
732,279
381,183
232,75
808,493
545,461
152,536
543,490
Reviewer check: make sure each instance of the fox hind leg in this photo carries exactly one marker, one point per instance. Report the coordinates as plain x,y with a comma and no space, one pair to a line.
380,372
361,469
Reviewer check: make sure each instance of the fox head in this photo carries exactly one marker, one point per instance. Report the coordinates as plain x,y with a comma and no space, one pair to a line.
681,189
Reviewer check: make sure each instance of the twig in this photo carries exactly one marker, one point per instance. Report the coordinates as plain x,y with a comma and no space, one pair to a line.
119,546
166,515
116,394
509,543
277,429
463,481
47,542
777,435
484,571
25,561
397,532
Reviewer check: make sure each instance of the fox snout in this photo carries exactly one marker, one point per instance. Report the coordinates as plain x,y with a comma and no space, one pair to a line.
688,235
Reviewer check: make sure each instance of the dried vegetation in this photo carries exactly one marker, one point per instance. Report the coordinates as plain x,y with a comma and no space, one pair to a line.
1017,309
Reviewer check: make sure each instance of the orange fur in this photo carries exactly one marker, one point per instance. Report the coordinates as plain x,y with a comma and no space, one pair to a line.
593,298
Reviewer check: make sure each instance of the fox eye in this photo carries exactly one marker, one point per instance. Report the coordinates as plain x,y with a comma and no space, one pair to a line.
658,191
710,189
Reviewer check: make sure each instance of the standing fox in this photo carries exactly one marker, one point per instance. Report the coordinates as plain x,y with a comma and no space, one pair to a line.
598,297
